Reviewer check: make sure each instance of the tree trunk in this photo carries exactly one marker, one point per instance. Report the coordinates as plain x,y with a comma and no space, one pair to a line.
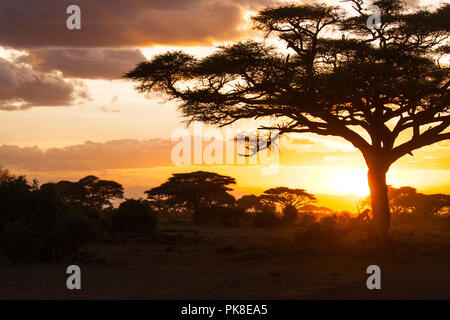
380,204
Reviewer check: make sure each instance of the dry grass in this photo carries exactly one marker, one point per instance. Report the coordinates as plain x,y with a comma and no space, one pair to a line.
186,261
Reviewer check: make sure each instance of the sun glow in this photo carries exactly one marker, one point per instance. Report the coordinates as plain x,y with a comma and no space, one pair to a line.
349,181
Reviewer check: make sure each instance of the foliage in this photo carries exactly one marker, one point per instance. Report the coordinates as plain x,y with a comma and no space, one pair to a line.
37,219
284,196
407,201
327,231
250,203
19,243
134,216
231,216
198,191
266,218
90,191
290,214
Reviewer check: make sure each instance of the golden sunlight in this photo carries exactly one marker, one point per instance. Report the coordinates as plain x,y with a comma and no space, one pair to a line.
349,181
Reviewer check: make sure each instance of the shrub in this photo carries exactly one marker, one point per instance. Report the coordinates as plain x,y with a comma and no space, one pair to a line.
19,243
134,216
231,216
290,214
206,215
267,218
326,231
70,231
37,223
307,219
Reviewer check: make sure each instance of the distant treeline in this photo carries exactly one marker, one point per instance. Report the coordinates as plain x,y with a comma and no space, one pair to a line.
51,221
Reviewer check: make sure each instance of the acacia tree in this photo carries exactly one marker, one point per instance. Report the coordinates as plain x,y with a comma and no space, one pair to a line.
407,200
250,203
288,197
195,190
398,199
91,191
337,77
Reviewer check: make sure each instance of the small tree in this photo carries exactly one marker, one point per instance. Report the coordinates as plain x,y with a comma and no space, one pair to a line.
338,77
250,203
197,191
285,197
134,216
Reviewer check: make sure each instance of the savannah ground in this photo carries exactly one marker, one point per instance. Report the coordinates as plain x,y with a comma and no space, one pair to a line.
188,261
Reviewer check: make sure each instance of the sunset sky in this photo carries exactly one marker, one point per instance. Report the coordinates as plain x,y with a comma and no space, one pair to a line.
66,112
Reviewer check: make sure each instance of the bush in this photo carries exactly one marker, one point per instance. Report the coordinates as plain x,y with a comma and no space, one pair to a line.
326,231
267,218
307,219
231,216
70,231
19,243
134,216
37,223
206,215
290,214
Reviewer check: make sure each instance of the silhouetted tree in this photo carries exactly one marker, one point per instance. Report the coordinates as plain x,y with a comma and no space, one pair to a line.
338,77
266,218
196,190
250,203
99,193
134,216
290,214
406,200
398,199
15,198
36,222
288,197
91,191
431,204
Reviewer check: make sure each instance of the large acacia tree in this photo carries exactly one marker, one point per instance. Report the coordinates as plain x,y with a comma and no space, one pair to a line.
384,90
195,190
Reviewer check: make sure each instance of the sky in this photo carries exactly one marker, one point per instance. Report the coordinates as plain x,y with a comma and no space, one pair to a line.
66,111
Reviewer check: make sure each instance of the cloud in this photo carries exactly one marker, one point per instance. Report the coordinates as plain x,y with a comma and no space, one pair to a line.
29,24
85,63
104,109
115,154
121,154
21,88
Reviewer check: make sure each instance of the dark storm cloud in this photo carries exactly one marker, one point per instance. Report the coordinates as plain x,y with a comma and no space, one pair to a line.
117,23
21,88
85,63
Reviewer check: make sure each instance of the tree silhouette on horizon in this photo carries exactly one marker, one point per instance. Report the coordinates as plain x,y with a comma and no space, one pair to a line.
90,191
288,197
195,190
337,77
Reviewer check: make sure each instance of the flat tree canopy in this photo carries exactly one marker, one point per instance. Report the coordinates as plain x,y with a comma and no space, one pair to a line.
90,191
384,90
195,190
285,196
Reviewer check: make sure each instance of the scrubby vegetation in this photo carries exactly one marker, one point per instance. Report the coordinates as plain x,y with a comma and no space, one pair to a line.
46,223
133,216
52,221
